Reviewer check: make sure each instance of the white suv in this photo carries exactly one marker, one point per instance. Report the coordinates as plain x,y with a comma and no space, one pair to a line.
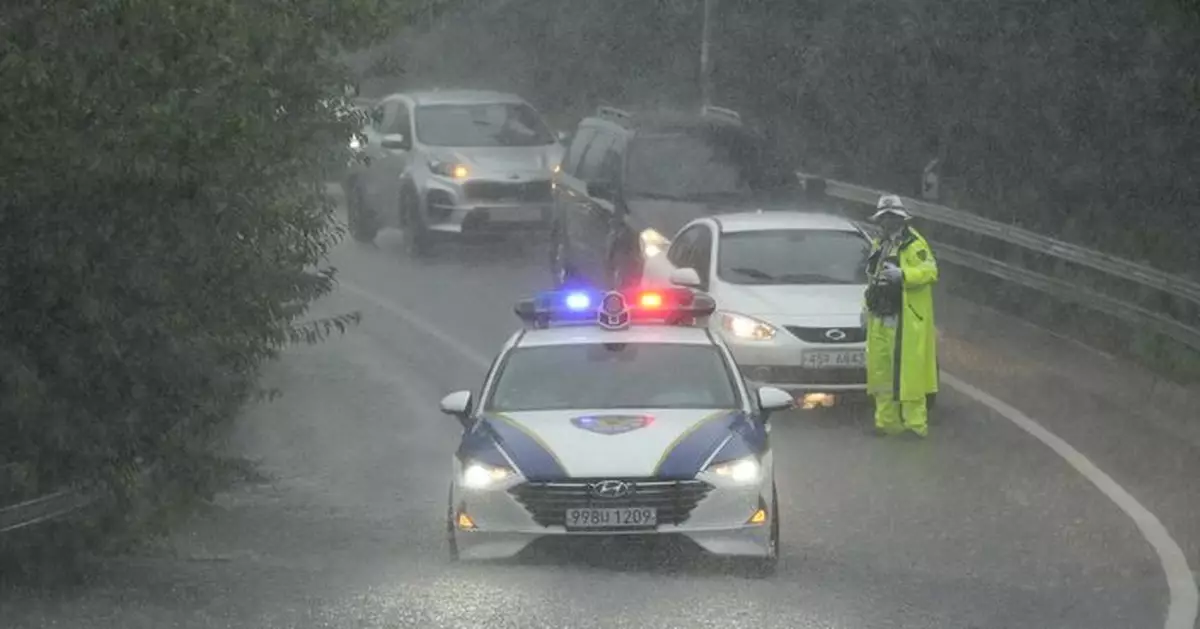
451,162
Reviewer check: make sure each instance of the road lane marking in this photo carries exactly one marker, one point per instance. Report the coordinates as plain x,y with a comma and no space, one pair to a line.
418,322
1181,583
1185,599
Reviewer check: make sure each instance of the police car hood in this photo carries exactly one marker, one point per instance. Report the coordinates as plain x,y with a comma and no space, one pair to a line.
622,443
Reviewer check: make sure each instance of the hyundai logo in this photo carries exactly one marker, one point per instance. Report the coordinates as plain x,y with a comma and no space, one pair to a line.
835,335
611,489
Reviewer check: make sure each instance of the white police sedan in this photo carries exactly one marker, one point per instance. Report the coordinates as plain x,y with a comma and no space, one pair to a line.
614,414
790,287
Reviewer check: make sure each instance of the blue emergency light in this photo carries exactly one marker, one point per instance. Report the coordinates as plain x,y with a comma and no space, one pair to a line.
615,310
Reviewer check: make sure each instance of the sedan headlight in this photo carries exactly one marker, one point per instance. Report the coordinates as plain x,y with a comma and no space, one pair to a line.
747,328
480,476
653,243
745,471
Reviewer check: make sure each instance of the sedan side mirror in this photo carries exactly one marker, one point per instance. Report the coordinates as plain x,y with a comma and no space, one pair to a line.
686,276
771,399
458,404
563,136
395,141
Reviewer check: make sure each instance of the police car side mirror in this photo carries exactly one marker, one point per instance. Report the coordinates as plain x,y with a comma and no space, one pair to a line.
687,277
457,404
771,399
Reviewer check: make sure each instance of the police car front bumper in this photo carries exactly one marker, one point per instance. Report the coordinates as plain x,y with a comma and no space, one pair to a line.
502,522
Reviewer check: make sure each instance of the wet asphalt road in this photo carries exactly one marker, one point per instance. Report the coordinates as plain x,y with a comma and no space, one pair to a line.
977,527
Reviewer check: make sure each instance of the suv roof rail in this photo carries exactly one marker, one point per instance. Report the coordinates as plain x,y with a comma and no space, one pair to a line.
613,113
720,112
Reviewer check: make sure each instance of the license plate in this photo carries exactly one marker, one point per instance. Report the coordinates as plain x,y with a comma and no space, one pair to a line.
832,358
611,518
514,215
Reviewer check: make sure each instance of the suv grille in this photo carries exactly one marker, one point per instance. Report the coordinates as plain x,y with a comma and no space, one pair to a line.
548,502
817,335
529,191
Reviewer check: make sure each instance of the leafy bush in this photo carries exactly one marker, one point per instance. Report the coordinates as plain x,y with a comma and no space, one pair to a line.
163,220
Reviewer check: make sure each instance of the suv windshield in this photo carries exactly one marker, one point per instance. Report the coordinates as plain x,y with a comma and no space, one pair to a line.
493,124
793,256
606,376
701,163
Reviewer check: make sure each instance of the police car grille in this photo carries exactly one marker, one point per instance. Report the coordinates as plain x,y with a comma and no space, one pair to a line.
530,191
547,502
817,335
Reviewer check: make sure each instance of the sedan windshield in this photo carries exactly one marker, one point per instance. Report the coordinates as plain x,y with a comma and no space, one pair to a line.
793,256
605,376
493,124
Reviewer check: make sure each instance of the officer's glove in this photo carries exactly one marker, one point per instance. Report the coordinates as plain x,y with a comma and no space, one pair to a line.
891,273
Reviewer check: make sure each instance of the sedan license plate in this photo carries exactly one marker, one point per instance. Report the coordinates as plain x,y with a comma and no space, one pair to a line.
832,358
611,518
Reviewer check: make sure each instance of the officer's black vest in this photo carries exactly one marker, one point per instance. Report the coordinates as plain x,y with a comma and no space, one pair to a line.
884,299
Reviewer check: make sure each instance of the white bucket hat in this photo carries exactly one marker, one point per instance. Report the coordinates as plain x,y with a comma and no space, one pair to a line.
890,204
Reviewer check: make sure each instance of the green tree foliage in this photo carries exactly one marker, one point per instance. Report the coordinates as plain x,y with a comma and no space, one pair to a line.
163,219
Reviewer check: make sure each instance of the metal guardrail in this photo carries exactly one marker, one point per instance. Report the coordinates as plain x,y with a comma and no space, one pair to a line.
1176,286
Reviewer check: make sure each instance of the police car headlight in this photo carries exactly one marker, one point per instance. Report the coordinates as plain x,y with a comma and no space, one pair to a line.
480,476
653,243
747,328
745,471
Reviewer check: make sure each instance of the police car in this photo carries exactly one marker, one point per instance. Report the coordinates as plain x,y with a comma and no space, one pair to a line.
614,414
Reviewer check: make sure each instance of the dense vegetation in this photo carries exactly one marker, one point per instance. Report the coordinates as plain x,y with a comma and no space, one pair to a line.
162,217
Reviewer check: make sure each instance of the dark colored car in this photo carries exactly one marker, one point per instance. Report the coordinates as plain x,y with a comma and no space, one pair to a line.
627,180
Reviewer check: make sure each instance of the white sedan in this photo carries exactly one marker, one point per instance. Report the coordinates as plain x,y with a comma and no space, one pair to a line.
790,288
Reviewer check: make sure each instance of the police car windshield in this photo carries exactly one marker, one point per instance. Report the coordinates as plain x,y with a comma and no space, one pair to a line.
793,256
603,376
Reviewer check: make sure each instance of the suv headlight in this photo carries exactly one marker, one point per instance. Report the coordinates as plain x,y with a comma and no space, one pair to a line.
745,471
653,243
451,169
480,476
747,328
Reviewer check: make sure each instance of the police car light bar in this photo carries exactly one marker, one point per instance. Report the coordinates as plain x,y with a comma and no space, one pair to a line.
616,310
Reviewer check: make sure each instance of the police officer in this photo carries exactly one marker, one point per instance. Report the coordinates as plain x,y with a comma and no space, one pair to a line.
901,340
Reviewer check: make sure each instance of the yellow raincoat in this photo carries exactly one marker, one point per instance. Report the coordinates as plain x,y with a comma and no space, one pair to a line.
902,365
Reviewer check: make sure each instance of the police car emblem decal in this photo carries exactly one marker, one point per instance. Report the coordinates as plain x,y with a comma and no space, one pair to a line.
611,424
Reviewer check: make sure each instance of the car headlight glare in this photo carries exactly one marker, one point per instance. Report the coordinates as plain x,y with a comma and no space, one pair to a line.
747,328
449,169
653,243
747,470
480,476
355,143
